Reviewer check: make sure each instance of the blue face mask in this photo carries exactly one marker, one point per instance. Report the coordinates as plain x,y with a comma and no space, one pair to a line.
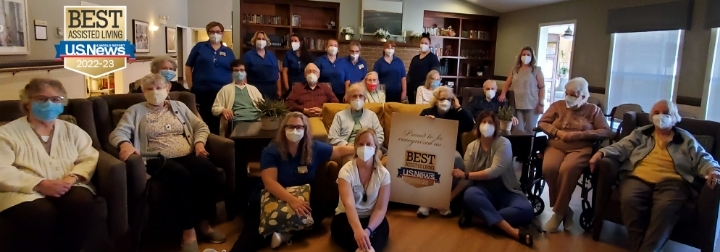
168,74
435,84
239,76
47,111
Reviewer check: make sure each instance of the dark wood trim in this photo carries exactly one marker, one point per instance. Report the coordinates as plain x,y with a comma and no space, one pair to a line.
690,101
437,14
596,90
712,15
653,17
500,77
34,65
371,41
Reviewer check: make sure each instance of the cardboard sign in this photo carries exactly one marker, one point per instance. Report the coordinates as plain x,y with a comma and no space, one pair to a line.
421,157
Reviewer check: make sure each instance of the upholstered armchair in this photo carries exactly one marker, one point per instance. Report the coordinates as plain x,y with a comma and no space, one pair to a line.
110,221
698,223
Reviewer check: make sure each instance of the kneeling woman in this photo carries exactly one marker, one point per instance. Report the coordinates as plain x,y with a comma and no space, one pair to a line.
161,126
494,194
292,159
364,186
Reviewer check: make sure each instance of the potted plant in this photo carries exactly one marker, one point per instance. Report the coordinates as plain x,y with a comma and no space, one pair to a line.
415,37
505,114
270,113
347,32
563,80
382,35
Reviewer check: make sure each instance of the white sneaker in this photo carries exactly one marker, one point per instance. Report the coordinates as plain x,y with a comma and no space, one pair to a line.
423,212
568,220
446,213
280,238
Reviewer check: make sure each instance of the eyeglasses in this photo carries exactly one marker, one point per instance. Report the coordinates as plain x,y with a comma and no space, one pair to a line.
53,99
294,127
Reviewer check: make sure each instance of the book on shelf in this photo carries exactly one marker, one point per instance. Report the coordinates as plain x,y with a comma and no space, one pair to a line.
315,44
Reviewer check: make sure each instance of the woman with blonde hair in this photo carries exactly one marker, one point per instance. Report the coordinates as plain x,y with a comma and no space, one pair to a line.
262,67
528,84
292,159
364,185
425,92
372,93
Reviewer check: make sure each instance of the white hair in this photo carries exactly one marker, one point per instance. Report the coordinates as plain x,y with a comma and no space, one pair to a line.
152,79
579,84
673,111
438,91
157,61
490,82
353,87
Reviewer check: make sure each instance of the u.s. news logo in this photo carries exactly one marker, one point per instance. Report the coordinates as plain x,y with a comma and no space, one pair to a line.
95,40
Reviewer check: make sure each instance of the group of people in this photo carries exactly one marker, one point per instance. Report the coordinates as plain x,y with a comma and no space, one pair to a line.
46,164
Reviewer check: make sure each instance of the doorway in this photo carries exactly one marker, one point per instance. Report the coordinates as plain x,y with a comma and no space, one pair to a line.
554,54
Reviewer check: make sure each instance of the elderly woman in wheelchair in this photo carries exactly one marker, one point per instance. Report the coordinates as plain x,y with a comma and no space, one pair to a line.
574,126
662,168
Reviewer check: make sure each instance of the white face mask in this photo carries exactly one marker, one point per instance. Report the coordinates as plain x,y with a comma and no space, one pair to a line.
662,121
424,47
294,135
216,37
332,50
260,44
526,59
444,105
311,78
355,56
487,130
571,101
357,104
365,152
295,45
156,97
389,52
489,94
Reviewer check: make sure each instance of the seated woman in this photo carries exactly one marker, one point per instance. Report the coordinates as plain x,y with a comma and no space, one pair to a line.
372,93
236,102
292,159
662,167
487,101
573,126
425,92
446,106
346,124
494,194
45,167
165,66
364,186
170,128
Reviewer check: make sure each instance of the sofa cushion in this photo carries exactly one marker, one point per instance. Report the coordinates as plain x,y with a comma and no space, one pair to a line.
117,114
330,109
706,142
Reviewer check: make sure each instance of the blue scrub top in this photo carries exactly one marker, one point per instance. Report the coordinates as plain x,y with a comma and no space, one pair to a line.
288,173
334,73
261,71
210,69
296,69
390,74
356,72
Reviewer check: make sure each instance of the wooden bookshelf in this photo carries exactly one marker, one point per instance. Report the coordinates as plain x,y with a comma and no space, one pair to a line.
467,58
281,18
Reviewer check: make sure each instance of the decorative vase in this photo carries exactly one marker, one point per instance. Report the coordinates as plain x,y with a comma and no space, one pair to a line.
348,36
270,123
505,125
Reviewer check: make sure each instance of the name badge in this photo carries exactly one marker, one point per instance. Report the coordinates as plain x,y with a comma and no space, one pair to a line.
222,54
302,169
361,66
167,127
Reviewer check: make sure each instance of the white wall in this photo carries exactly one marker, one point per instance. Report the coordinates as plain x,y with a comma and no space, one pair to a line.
202,12
11,85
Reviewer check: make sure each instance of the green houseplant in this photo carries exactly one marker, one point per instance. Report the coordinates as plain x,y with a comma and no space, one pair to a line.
270,113
505,114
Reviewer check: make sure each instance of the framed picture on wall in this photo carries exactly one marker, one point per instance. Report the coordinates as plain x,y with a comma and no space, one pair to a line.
141,39
170,40
14,29
379,14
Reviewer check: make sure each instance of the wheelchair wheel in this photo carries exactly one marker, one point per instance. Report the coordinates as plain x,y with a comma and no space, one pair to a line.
586,220
537,203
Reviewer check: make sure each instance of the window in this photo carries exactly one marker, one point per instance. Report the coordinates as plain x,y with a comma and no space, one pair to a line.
712,104
643,67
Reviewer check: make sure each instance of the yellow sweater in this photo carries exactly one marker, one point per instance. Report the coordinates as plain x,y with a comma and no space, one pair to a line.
24,161
657,166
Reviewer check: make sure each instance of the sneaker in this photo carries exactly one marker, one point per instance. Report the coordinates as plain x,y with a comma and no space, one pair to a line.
423,212
446,213
568,220
553,223
280,238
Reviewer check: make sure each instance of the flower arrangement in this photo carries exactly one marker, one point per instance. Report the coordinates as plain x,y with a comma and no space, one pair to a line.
347,31
382,34
416,35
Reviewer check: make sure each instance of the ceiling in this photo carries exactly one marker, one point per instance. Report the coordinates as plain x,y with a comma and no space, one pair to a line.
503,6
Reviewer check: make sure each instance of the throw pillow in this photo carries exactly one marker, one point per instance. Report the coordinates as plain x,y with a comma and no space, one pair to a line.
277,215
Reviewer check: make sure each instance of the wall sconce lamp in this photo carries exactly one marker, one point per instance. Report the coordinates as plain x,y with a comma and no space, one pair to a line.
163,20
154,28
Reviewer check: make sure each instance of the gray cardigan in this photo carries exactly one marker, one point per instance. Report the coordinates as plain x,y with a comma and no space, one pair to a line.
131,127
502,162
343,124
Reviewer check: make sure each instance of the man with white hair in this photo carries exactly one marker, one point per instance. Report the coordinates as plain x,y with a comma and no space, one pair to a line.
487,101
662,167
309,98
573,126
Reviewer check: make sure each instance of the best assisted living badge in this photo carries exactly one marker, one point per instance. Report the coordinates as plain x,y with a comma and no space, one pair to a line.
95,40
419,169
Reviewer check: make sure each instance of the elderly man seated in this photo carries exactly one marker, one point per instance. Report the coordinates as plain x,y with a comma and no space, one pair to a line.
662,167
349,121
309,98
486,101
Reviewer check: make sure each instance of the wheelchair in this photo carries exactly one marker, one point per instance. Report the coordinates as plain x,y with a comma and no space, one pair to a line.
533,183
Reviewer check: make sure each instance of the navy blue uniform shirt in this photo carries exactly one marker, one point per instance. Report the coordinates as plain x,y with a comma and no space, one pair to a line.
332,72
390,75
210,68
296,68
356,72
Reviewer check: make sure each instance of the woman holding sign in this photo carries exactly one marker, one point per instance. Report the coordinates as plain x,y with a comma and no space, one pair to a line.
494,194
291,160
364,186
